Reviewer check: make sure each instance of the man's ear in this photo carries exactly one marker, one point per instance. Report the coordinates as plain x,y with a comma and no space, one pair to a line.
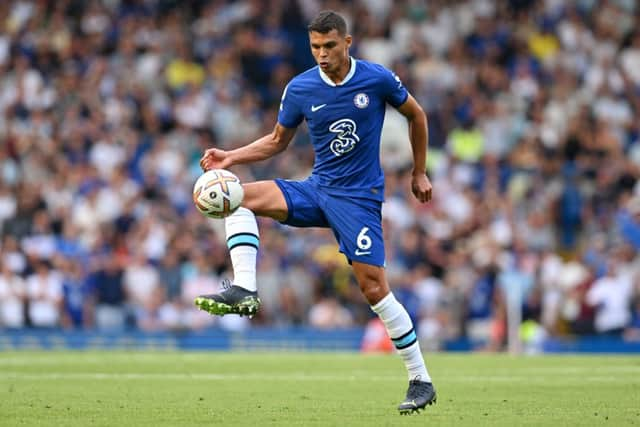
348,39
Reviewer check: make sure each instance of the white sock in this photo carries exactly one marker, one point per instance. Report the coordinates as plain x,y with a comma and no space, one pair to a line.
400,329
243,241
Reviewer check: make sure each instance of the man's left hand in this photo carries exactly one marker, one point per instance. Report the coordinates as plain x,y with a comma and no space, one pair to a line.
421,187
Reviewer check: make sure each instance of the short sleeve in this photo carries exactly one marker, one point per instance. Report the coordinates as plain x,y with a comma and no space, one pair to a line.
290,114
394,91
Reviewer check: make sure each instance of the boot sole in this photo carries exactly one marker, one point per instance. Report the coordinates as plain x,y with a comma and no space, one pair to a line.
411,411
247,307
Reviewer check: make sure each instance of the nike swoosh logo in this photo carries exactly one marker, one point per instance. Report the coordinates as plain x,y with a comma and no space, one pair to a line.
315,108
360,253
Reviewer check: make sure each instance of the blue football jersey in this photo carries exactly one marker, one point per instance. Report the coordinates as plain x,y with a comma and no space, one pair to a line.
345,123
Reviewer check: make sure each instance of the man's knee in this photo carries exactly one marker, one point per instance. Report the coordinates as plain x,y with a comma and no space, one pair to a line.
373,284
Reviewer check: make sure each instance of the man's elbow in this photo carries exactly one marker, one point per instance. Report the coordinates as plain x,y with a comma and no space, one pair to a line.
418,116
279,144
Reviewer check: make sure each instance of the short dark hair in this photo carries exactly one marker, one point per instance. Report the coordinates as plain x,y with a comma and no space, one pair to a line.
326,21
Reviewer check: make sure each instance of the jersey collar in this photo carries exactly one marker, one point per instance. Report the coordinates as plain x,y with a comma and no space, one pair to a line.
352,71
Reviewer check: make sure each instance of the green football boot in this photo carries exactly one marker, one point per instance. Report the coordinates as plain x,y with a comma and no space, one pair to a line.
232,300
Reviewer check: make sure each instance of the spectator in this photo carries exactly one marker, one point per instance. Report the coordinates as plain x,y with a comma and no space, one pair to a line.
171,276
44,295
141,282
12,298
328,313
76,293
198,279
109,294
611,296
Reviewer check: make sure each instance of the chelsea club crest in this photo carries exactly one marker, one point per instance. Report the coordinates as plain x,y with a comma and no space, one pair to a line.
361,100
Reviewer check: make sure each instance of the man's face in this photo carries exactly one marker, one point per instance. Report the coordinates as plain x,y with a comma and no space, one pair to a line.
330,50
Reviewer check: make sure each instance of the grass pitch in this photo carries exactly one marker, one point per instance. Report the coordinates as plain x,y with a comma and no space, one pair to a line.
317,389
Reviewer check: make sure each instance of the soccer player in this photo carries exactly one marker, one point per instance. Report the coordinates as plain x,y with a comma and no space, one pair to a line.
343,101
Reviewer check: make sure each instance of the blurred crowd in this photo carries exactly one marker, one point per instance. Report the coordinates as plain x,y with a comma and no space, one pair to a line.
534,118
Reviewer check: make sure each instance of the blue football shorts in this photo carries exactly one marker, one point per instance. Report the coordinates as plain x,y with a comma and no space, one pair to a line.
355,222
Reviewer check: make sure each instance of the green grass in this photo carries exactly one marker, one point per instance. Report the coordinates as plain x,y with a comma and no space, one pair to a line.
317,389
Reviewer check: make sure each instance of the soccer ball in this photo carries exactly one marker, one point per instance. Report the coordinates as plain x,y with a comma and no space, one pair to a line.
217,193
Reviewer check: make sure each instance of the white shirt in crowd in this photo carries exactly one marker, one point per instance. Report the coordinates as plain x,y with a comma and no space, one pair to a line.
611,296
45,295
12,292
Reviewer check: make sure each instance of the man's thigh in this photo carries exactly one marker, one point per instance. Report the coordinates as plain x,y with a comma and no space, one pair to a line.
303,207
264,198
290,202
357,224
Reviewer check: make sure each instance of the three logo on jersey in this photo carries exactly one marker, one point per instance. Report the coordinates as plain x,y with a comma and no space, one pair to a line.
345,129
346,136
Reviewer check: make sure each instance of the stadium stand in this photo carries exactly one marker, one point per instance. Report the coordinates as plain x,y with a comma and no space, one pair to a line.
534,121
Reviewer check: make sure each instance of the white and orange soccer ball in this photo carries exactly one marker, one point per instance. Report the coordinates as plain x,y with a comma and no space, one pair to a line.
217,193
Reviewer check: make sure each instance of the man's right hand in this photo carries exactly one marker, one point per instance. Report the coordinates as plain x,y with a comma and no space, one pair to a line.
214,158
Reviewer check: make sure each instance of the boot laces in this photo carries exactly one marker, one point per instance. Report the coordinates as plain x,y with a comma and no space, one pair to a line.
226,284
416,388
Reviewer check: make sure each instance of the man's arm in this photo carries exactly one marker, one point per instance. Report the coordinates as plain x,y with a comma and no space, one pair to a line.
419,137
261,149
